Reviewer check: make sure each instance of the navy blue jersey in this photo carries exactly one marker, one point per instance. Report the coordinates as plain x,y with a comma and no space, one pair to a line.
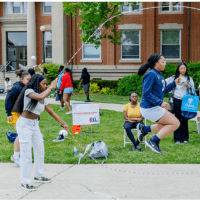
153,89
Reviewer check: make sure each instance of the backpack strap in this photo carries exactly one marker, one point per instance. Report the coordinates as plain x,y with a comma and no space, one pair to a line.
86,150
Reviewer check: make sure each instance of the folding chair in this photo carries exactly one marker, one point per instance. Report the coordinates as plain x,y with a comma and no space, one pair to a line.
126,137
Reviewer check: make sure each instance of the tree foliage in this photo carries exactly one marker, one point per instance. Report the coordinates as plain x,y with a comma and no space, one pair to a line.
93,14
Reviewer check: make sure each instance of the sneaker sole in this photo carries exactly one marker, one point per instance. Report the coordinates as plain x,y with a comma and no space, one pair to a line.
58,140
152,148
30,190
38,181
138,132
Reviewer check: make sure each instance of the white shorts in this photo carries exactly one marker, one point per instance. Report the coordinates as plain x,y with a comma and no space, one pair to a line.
153,114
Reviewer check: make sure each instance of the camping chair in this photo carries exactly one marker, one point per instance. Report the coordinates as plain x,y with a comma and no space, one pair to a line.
126,137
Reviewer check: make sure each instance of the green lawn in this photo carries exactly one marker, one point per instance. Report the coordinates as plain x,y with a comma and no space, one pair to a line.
102,98
111,132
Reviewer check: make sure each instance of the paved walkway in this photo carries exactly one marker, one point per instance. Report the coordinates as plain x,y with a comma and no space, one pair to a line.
96,182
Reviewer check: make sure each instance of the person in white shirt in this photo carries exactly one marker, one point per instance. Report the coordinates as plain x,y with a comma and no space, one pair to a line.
7,84
182,133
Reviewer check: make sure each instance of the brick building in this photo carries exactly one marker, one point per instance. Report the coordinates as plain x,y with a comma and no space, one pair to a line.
171,31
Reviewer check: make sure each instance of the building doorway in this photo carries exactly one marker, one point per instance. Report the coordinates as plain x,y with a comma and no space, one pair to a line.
17,49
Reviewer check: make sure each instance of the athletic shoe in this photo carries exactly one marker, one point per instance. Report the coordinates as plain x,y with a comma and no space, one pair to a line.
60,138
140,132
15,160
138,147
153,146
185,142
133,149
70,112
42,180
177,142
88,100
61,108
27,187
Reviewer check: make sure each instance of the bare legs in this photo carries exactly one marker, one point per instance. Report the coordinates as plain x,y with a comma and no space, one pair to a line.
166,125
66,99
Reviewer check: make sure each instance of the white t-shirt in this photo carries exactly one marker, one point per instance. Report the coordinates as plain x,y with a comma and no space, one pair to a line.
7,85
180,89
39,107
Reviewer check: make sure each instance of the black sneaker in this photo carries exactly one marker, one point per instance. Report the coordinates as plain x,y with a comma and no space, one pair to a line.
88,100
138,147
60,138
140,132
153,146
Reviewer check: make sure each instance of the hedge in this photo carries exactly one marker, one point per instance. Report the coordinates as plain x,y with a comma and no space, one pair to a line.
134,82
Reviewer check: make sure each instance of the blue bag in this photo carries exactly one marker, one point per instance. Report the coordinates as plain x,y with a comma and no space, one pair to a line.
189,106
2,90
11,136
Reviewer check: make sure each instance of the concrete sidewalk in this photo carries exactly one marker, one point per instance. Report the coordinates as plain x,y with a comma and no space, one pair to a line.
96,182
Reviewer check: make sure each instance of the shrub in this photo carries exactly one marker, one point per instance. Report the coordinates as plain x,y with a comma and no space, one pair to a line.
94,88
105,91
80,92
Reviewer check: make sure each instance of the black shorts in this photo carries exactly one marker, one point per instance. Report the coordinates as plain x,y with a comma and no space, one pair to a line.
60,95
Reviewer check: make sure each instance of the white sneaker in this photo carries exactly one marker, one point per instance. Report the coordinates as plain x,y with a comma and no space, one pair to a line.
70,112
15,160
62,108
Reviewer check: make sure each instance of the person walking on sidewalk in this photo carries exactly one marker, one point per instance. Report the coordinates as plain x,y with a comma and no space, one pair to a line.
85,79
31,102
132,117
152,106
10,100
182,133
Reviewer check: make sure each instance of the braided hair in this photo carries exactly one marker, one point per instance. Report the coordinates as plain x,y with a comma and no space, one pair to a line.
34,83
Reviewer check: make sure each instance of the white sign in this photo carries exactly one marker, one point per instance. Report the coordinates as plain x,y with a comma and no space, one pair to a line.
85,113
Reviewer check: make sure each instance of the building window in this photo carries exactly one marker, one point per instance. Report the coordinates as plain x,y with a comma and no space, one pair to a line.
171,44
46,7
16,7
167,8
130,47
90,52
126,8
48,44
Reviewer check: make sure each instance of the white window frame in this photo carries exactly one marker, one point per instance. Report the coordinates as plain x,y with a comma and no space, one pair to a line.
12,6
172,59
46,13
89,59
130,59
140,12
160,11
48,45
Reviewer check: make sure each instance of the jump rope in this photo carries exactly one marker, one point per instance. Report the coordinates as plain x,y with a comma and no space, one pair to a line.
94,34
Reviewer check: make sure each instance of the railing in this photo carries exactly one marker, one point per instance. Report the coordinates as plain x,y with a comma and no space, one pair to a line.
3,68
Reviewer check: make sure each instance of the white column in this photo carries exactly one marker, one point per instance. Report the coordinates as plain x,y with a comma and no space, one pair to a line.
59,34
31,34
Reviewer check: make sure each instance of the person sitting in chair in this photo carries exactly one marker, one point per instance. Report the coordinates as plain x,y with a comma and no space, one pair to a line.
132,117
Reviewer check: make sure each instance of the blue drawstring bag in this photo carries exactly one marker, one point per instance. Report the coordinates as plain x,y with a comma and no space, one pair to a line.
189,106
11,136
2,90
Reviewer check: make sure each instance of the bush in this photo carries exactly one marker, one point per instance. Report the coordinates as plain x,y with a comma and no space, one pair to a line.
94,88
134,82
105,91
52,71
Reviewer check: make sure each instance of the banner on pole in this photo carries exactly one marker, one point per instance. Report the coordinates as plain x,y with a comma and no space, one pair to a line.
85,113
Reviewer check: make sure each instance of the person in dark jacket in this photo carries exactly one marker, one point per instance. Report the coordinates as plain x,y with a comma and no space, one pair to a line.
9,103
152,106
85,79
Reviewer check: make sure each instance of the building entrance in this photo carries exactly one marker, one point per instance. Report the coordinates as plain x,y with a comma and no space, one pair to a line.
17,49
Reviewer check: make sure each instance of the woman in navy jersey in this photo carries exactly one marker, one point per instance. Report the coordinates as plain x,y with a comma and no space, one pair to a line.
152,106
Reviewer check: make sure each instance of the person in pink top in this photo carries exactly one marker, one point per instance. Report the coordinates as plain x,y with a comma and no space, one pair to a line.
67,87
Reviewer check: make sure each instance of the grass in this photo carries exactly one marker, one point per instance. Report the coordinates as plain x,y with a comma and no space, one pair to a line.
102,98
111,132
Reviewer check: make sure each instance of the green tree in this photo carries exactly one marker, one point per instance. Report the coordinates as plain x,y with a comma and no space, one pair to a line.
93,14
